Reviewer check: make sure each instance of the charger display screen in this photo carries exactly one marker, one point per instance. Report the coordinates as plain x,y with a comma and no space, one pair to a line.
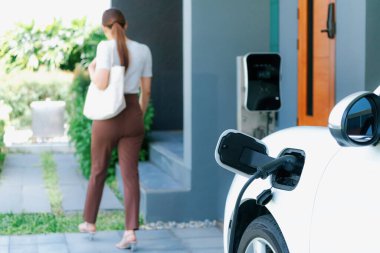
263,91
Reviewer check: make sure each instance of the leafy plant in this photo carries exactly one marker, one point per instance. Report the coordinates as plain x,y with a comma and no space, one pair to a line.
80,126
2,146
55,46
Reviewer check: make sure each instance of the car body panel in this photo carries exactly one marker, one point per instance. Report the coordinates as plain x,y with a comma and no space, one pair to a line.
291,209
346,218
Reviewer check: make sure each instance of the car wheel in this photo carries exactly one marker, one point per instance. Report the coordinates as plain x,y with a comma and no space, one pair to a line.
263,236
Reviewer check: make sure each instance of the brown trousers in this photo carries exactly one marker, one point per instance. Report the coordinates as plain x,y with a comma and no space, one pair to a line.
126,132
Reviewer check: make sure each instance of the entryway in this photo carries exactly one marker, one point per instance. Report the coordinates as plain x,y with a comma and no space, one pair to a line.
316,61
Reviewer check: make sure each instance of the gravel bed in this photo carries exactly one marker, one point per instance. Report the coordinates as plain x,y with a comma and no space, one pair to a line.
172,224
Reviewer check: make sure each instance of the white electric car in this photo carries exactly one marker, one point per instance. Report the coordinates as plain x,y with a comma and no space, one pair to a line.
323,198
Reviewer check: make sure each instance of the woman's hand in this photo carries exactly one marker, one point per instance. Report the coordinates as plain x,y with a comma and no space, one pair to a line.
145,93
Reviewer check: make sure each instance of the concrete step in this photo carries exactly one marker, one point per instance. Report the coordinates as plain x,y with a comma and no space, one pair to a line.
169,163
170,140
159,192
166,152
154,180
164,179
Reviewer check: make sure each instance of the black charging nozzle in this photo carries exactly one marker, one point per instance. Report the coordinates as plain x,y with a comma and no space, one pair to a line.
287,162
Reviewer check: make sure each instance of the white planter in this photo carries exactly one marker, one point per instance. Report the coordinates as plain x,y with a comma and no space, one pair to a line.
48,118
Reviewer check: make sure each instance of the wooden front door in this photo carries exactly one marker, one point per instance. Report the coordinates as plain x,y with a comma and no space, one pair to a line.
316,61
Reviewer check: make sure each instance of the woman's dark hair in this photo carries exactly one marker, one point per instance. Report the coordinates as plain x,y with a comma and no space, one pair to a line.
115,20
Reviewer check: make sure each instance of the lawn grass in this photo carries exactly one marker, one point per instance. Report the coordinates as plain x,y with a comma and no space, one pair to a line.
2,159
21,224
2,145
49,169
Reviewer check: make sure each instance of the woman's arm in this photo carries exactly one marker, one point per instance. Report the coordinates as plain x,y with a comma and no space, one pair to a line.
145,93
99,77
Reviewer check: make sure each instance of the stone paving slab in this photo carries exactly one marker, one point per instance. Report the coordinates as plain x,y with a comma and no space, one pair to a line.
4,240
22,187
143,235
73,197
35,199
208,251
30,248
150,241
22,239
74,186
202,243
10,198
53,248
51,238
195,233
22,160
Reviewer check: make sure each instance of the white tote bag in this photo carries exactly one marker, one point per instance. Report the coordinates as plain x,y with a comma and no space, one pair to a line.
105,104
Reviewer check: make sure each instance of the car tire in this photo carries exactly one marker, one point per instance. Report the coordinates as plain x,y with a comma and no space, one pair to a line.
263,235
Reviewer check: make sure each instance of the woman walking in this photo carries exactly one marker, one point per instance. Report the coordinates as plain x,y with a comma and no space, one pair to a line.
126,130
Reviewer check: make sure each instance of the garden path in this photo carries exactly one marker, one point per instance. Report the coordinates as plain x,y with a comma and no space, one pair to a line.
189,240
22,187
22,190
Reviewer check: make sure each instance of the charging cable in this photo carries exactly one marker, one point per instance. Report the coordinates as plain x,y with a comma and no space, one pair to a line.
287,162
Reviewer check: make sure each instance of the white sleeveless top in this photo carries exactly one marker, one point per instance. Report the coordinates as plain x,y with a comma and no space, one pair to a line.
140,62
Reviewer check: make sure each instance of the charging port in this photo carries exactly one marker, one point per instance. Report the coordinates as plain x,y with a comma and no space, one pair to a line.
285,180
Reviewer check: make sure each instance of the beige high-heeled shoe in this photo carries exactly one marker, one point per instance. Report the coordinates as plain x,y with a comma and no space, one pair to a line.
127,242
89,228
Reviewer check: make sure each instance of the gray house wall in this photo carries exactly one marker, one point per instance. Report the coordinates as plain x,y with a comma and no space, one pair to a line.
159,25
288,33
220,32
372,66
350,47
357,47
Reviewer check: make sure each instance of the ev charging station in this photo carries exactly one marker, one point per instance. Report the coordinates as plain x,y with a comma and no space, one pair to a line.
258,93
240,151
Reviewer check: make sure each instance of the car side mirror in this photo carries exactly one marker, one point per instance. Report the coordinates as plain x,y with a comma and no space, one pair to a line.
240,153
354,121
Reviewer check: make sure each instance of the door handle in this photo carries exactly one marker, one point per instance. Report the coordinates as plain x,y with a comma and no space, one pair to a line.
331,25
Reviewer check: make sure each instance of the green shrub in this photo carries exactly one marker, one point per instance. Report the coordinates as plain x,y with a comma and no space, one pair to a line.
28,47
19,89
80,126
2,146
55,46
